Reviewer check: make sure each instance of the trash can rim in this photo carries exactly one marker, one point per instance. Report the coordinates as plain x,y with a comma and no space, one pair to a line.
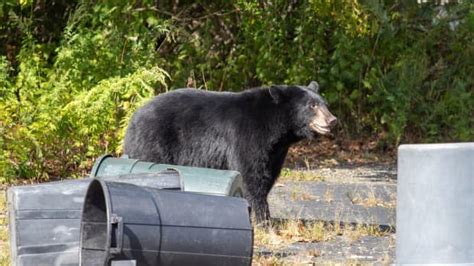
106,194
98,162
436,146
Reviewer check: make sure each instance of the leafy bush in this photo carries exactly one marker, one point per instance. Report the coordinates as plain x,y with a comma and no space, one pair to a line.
68,105
397,71
72,72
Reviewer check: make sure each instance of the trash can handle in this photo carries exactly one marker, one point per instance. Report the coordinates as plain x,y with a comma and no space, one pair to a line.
117,233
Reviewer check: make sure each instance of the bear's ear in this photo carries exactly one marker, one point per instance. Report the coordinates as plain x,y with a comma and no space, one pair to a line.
313,86
276,92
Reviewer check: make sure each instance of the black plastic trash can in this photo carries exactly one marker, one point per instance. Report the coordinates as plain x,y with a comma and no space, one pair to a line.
143,226
44,219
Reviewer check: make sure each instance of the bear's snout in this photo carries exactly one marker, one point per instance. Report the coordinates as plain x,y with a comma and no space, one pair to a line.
332,121
323,120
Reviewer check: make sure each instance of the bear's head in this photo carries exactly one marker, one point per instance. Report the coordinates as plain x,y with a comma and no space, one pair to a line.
308,110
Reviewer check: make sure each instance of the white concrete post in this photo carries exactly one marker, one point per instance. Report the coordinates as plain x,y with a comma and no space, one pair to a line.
435,204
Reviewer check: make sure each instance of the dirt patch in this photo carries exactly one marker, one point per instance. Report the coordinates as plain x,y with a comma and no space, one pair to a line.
330,152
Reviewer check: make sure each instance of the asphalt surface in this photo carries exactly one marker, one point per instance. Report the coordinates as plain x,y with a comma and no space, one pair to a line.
364,194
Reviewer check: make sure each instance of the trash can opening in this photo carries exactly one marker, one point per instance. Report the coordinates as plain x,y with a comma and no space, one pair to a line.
94,230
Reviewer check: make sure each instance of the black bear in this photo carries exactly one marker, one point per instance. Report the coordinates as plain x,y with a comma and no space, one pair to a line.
249,131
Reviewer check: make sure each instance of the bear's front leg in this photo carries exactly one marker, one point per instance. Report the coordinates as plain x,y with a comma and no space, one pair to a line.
256,194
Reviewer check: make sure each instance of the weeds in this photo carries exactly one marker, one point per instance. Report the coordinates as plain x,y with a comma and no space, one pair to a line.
267,261
4,242
329,196
282,233
299,175
371,200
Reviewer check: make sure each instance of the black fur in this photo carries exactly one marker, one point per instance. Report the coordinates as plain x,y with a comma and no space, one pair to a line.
249,131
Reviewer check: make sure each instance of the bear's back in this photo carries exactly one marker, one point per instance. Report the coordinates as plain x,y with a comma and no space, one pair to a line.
187,100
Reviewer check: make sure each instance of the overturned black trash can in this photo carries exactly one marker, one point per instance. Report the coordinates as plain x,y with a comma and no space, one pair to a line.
131,225
45,219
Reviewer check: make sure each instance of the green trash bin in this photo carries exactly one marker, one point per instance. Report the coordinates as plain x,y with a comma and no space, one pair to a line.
194,179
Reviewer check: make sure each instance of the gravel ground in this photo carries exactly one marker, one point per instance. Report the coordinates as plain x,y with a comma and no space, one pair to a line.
358,203
347,182
366,250
380,173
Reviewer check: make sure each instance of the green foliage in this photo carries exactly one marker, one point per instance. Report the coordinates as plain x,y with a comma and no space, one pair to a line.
67,105
71,73
397,71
